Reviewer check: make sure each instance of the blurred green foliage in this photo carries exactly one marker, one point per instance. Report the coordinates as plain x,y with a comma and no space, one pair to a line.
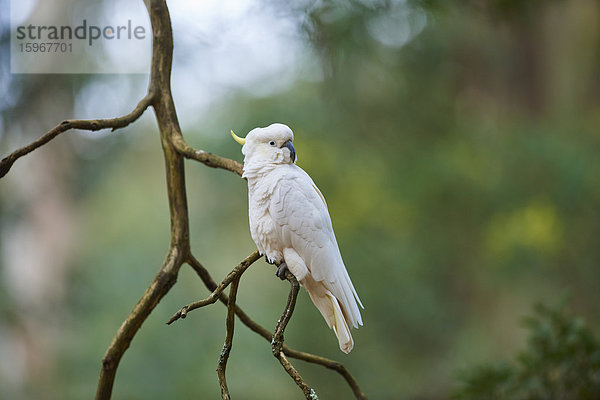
561,361
457,146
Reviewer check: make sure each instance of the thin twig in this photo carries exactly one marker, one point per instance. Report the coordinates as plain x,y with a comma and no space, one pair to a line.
277,341
214,296
208,159
88,125
327,363
266,334
230,323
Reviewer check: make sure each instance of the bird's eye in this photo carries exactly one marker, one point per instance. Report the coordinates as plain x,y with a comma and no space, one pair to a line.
272,143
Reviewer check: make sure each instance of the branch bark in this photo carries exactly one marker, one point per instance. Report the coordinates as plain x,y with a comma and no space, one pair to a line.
277,341
88,125
161,284
217,291
266,334
208,159
179,249
230,324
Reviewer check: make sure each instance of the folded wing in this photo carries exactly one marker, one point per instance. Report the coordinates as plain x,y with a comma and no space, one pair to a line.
302,220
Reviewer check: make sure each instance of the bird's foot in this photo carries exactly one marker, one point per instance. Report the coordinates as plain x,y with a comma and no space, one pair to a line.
281,270
267,260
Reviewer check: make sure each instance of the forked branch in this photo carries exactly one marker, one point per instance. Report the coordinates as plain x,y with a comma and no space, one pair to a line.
214,296
266,334
175,149
179,248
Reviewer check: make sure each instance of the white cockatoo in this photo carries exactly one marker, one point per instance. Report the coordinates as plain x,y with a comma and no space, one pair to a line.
290,225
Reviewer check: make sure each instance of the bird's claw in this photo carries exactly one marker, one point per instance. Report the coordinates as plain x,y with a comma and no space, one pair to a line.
281,270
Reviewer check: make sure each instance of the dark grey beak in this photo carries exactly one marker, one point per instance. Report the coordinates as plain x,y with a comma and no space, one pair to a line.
290,147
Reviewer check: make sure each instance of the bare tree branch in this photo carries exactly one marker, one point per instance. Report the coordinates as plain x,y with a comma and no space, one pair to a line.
179,248
175,149
277,341
214,296
88,125
161,284
266,334
208,159
327,363
230,323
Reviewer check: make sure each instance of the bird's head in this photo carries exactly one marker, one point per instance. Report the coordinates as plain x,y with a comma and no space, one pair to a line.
270,145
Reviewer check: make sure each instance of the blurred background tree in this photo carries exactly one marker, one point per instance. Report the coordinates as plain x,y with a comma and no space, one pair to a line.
456,142
561,361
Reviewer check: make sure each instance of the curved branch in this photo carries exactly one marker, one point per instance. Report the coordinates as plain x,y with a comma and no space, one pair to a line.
266,334
230,323
179,248
214,296
208,159
277,341
327,363
88,125
163,281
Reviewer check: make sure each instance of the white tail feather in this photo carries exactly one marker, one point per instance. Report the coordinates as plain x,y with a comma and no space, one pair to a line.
330,308
340,326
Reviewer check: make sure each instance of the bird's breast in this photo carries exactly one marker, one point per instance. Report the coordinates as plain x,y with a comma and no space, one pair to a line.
262,225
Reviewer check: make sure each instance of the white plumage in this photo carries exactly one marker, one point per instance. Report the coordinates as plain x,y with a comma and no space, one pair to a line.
290,223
